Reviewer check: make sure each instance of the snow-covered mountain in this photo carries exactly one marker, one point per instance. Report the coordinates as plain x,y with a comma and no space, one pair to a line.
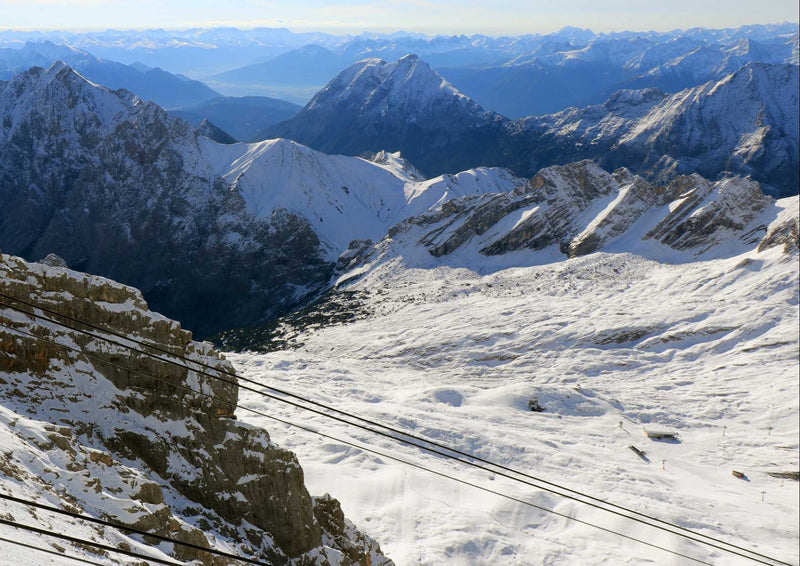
563,212
711,62
577,209
118,187
746,123
374,105
95,428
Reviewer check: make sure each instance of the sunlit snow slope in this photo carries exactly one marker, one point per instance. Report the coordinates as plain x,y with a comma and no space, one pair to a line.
607,343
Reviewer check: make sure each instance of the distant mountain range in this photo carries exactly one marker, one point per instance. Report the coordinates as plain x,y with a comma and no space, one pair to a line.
226,236
746,122
294,76
157,85
532,74
515,76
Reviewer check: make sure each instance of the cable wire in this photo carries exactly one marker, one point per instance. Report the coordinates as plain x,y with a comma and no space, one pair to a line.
551,486
48,551
76,540
122,527
381,453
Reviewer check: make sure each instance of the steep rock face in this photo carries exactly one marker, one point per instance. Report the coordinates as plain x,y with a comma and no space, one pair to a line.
634,197
746,122
192,467
563,194
213,132
785,230
704,214
116,186
580,208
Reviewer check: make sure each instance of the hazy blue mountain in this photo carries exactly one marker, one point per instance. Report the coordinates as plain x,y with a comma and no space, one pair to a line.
545,82
196,52
154,84
245,118
531,74
307,65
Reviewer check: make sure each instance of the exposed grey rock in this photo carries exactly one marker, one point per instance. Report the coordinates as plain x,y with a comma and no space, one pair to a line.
707,213
562,195
580,208
186,444
635,197
353,255
784,231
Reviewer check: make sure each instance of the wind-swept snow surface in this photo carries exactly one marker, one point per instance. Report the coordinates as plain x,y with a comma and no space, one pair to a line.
607,344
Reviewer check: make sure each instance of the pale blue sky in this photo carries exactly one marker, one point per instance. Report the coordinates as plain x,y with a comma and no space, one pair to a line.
429,16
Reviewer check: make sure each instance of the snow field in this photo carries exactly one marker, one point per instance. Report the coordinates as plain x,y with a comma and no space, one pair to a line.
708,349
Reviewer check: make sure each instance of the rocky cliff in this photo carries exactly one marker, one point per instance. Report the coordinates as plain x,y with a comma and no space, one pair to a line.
117,434
579,208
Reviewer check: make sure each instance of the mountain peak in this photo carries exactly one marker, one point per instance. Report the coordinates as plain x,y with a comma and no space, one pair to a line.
410,58
409,84
214,132
58,67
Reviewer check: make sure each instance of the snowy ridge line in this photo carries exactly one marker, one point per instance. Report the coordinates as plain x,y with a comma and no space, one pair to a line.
76,540
53,552
390,457
750,554
129,529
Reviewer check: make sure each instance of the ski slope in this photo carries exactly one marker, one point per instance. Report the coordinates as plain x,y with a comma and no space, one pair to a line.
607,343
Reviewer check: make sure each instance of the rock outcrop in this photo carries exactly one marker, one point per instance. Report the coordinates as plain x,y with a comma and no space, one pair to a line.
580,208
177,462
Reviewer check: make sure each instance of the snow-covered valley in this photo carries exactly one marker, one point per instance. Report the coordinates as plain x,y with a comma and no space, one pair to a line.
607,344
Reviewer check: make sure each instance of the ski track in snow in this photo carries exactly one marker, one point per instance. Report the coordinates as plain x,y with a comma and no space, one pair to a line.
708,349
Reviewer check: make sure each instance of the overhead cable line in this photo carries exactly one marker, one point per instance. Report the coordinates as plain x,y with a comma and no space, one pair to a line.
77,540
48,551
474,461
386,455
97,521
233,376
